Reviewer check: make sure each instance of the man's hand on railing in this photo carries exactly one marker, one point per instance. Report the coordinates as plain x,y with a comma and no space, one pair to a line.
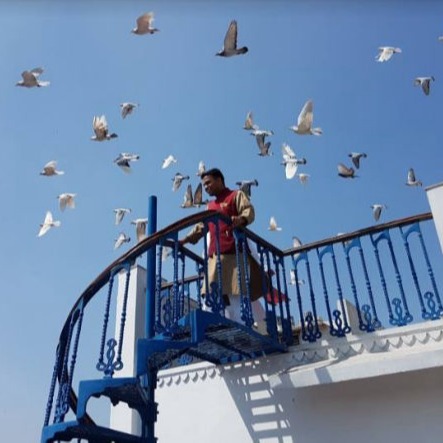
239,221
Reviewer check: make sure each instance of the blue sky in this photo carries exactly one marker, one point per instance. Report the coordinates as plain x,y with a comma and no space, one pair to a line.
193,105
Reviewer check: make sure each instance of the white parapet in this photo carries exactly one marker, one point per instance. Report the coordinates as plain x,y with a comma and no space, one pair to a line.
435,198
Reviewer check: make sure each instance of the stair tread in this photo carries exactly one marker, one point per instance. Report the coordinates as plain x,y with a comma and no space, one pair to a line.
73,429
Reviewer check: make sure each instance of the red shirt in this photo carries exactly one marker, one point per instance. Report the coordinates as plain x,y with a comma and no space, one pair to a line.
225,204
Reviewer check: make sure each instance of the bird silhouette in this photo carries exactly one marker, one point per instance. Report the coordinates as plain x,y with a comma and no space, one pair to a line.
144,24
385,53
305,120
30,79
50,169
425,83
47,224
100,127
230,42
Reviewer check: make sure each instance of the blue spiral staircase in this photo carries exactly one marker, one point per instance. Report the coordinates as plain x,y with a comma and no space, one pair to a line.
178,330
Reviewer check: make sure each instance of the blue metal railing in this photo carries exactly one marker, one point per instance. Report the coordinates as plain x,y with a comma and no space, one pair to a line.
384,271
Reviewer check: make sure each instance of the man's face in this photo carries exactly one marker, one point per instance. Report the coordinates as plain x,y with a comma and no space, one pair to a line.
212,185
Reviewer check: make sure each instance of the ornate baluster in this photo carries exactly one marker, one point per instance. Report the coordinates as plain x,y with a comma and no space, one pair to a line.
52,387
241,257
214,298
271,323
182,288
400,315
175,289
309,323
158,289
285,319
434,306
118,365
76,342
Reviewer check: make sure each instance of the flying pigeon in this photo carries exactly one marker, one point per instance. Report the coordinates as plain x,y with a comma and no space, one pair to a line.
345,172
123,161
195,200
273,225
230,43
262,146
50,169
122,238
188,199
303,177
144,24
127,108
140,228
168,161
166,252
178,178
48,223
245,186
290,161
201,168
412,181
66,200
386,52
296,242
355,157
376,210
30,79
424,82
257,131
120,213
304,121
100,127
293,281
249,122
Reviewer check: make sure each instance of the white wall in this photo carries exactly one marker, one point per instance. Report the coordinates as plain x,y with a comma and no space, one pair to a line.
238,405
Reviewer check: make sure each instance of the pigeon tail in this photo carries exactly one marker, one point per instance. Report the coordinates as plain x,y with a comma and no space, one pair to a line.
316,131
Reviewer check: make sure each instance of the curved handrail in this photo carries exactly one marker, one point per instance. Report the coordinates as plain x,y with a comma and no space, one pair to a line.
169,234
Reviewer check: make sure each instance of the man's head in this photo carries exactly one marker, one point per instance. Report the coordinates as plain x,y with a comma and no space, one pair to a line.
213,181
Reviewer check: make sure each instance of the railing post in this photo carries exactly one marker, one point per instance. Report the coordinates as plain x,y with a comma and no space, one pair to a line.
150,269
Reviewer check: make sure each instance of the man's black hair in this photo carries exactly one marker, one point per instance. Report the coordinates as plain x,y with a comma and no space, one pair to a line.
214,172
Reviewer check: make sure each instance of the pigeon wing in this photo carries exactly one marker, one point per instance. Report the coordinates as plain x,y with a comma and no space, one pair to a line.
290,170
188,199
306,116
198,195
231,36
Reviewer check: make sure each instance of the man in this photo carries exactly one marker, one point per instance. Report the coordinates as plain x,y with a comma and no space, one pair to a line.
236,206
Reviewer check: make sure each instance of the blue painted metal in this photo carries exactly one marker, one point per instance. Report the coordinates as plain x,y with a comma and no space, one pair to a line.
150,269
178,330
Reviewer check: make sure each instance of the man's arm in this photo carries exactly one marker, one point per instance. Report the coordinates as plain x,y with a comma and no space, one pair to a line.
194,235
245,210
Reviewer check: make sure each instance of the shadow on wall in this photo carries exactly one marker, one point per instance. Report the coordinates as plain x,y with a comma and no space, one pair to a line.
263,414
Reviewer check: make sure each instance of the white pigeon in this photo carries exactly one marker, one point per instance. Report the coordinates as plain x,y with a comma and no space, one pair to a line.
120,213
290,161
30,79
305,120
425,83
345,172
201,168
178,178
273,225
144,24
376,210
230,42
168,161
262,146
166,252
123,161
412,181
249,122
47,224
386,52
303,177
140,228
257,131
127,108
355,157
245,186
50,169
100,127
293,281
66,200
122,238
